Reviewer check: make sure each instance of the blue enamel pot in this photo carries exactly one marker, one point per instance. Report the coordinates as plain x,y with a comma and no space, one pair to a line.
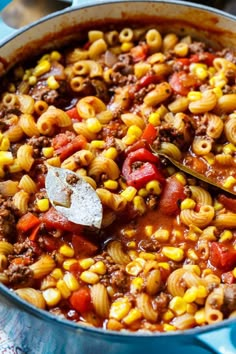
39,332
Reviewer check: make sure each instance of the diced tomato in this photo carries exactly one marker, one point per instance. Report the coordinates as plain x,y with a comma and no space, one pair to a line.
76,269
40,180
139,52
149,133
78,143
73,114
34,233
61,139
172,195
222,256
24,261
27,222
54,220
183,61
229,203
80,300
147,171
182,82
205,57
82,246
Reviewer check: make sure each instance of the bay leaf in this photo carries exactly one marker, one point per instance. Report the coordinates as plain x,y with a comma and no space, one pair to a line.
73,197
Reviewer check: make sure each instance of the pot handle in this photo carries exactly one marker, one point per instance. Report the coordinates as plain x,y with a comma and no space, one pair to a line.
220,340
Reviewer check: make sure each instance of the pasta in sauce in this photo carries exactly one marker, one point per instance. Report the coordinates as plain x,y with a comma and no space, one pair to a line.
165,256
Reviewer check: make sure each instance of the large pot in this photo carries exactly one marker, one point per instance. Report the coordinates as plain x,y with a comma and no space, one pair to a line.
36,331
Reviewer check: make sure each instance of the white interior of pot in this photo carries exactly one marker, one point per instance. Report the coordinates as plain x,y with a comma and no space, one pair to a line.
213,26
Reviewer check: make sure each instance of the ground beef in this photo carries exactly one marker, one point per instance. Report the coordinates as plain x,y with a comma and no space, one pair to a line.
197,47
19,275
140,94
27,248
119,280
149,245
38,143
7,221
228,54
229,304
161,302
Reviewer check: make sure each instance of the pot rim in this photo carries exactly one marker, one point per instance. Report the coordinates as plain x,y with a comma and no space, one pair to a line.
45,315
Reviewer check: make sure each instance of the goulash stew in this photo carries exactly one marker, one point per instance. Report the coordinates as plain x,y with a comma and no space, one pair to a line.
118,112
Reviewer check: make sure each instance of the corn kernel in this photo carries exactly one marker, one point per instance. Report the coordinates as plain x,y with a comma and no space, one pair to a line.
229,182
32,80
210,158
147,256
55,55
129,139
120,308
218,206
89,277
132,316
98,144
181,178
53,84
190,294
135,130
229,149
187,203
52,296
143,192
63,288
178,305
71,281
66,250
43,204
126,46
155,118
201,73
153,187
5,144
93,125
129,232
191,308
98,268
54,161
47,152
168,315
148,230
68,263
162,235
173,253
110,184
139,204
200,317
136,285
2,173
86,263
196,66
202,292
225,236
218,81
168,327
234,272
164,265
111,153
129,193
194,96
57,273
6,158
131,244
218,91
42,68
